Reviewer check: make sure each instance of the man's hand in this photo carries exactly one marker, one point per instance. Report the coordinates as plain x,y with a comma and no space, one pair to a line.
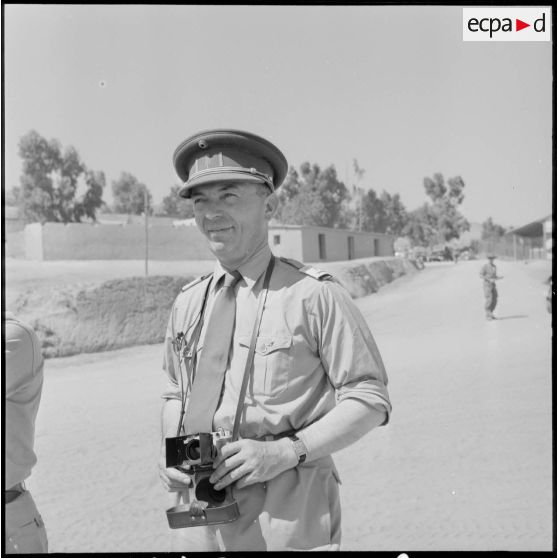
250,461
173,479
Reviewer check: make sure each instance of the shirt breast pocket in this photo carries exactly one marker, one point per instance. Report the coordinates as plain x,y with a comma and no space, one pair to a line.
272,368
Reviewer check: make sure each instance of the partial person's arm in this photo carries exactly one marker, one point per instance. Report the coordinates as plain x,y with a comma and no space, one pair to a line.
22,354
346,423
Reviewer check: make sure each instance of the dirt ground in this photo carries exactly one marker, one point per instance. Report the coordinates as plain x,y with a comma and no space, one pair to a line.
465,464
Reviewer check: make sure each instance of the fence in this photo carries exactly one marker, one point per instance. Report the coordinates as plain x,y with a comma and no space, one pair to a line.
515,247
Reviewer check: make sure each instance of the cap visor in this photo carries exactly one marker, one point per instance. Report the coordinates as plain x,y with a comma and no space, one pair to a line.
217,178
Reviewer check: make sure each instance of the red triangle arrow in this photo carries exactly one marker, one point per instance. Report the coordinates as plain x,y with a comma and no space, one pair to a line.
519,25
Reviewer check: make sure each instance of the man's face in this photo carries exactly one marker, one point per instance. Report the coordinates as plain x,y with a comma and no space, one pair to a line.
233,217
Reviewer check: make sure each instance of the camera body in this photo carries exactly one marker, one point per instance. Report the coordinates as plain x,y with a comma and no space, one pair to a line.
194,454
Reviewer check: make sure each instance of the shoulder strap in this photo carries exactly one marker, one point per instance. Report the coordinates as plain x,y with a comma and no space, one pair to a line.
313,272
195,282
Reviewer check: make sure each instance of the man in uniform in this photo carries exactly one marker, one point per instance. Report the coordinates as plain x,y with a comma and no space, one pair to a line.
25,531
317,383
489,276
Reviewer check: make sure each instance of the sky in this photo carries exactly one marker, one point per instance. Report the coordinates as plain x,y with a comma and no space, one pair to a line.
394,87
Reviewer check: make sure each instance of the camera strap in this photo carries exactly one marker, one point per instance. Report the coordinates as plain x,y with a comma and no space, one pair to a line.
189,356
250,358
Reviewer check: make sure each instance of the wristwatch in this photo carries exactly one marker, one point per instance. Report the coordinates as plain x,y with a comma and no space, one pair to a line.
299,447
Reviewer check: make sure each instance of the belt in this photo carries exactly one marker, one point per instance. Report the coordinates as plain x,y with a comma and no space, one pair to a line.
12,493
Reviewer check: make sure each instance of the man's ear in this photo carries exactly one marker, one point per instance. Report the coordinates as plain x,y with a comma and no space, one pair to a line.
271,205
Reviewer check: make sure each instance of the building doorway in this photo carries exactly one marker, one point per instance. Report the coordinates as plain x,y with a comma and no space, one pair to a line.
351,247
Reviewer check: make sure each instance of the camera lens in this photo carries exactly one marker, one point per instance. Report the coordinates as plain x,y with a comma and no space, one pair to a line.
206,491
193,450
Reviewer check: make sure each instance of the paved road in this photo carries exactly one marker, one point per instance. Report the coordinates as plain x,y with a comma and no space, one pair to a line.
465,464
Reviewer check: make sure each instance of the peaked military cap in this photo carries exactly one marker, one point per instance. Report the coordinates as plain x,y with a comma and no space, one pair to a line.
228,156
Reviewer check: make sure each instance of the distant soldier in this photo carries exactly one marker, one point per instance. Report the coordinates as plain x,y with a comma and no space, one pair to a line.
489,275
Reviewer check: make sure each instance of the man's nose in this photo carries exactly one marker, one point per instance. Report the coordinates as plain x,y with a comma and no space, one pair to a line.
213,209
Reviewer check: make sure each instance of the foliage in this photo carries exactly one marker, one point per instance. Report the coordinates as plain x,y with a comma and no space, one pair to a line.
175,206
492,231
450,223
50,180
421,226
92,198
312,197
129,195
396,216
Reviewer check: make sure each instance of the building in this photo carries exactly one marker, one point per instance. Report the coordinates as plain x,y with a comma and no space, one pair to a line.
535,238
320,244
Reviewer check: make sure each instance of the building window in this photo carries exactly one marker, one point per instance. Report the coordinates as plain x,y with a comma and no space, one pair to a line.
322,246
276,239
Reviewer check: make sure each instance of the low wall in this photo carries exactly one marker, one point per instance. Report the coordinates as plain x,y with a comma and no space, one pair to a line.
14,244
367,275
80,241
125,312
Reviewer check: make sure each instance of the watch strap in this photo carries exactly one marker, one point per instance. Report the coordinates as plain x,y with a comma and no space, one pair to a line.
299,447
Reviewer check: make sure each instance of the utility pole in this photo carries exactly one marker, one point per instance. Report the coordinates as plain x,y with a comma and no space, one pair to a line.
145,212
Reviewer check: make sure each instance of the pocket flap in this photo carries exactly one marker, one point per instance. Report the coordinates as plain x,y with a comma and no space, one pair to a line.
266,344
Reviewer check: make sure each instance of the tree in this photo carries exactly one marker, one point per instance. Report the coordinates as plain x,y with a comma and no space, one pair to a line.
357,195
372,213
422,226
492,231
446,199
50,180
92,199
396,216
129,195
176,206
313,197
298,205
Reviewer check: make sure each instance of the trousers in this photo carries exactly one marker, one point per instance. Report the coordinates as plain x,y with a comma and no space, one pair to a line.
490,297
25,530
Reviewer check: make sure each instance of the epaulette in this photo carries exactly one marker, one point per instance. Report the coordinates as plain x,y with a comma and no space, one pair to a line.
195,282
309,270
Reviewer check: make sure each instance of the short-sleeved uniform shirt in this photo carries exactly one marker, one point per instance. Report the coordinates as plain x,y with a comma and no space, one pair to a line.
488,273
313,350
24,382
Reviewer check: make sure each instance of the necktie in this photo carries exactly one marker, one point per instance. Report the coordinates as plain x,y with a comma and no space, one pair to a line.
210,372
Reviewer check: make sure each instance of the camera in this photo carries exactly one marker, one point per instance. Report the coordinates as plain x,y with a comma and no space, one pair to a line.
194,454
